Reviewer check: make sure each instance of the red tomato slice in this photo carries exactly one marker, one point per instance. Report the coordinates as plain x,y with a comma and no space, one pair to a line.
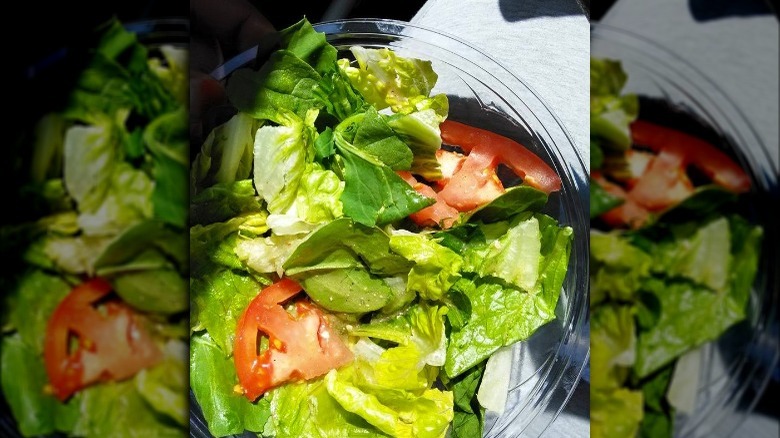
628,213
534,171
694,151
664,182
475,184
438,214
300,346
112,344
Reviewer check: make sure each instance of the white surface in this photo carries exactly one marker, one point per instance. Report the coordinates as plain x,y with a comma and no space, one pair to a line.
740,54
543,42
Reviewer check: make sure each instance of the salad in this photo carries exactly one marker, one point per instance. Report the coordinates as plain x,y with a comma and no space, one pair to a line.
673,259
94,319
358,268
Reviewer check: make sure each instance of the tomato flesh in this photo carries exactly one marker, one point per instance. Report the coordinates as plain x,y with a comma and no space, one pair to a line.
524,163
438,214
112,344
721,169
300,346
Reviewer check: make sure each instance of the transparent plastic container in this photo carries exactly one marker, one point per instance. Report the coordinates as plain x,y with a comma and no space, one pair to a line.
735,369
547,367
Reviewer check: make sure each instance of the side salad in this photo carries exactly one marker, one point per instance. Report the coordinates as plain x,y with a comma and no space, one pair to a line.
673,260
94,312
356,261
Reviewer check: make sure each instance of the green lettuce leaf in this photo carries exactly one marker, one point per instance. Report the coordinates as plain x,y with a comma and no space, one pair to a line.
613,345
217,302
420,130
224,201
226,154
23,380
610,112
370,133
618,268
388,80
168,141
373,193
436,267
212,380
615,413
309,45
280,157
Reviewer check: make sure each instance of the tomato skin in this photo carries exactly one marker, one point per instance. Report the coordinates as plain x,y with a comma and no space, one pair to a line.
112,343
300,347
629,213
438,214
721,169
527,165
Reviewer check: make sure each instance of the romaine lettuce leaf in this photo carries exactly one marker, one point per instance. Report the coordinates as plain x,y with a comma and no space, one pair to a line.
224,201
436,267
217,302
388,80
610,112
23,380
615,413
613,345
212,379
226,154
167,139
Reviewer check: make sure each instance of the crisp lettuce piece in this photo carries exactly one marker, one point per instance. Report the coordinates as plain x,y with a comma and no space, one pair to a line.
421,325
213,245
217,302
127,202
73,255
394,412
610,112
613,345
436,267
319,195
285,84
267,254
703,257
373,193
173,73
500,316
469,416
167,139
370,133
164,386
309,45
685,302
615,413
212,379
90,154
514,200
23,380
35,296
618,267
280,157
135,418
684,305
224,201
388,80
226,154
420,130
307,409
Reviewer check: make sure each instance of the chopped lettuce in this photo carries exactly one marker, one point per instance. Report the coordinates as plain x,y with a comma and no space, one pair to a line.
610,112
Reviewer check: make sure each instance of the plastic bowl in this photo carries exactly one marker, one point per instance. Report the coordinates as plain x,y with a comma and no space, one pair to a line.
735,369
548,366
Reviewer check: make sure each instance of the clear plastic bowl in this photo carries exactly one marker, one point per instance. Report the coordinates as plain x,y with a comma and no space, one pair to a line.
734,370
548,366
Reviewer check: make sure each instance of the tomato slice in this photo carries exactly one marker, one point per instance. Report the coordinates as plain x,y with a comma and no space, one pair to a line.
721,169
629,213
527,165
300,346
663,183
438,214
110,343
